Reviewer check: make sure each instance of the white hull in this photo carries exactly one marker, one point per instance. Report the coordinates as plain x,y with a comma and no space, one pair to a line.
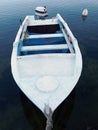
50,77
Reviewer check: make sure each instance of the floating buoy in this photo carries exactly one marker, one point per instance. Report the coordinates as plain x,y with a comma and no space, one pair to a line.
85,12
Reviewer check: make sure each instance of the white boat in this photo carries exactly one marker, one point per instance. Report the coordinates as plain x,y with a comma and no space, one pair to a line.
85,12
41,11
46,61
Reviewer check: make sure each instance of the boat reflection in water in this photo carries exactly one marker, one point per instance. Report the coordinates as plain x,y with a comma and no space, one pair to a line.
60,116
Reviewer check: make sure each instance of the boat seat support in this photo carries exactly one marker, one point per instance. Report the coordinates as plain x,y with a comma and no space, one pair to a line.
46,47
45,36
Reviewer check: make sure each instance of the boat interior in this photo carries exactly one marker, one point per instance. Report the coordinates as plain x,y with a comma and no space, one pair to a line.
43,39
49,48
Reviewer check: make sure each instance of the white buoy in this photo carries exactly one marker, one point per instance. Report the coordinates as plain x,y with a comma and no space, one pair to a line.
85,12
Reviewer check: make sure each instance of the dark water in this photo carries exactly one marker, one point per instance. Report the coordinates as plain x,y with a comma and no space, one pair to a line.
80,110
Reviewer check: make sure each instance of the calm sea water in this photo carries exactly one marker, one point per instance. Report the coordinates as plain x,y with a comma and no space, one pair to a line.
80,110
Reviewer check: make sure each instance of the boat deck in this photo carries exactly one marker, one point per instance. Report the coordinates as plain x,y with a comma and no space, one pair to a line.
38,65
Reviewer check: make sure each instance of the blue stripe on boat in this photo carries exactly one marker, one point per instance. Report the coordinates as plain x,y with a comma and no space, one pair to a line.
45,52
44,41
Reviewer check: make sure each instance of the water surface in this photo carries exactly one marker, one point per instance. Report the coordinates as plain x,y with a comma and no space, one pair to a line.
80,110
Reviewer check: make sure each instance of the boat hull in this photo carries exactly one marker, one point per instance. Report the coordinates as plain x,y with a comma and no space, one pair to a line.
47,78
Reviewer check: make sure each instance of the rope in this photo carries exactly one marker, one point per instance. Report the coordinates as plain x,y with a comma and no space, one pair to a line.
48,114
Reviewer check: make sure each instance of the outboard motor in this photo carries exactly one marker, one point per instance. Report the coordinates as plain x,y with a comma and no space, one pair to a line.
41,11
